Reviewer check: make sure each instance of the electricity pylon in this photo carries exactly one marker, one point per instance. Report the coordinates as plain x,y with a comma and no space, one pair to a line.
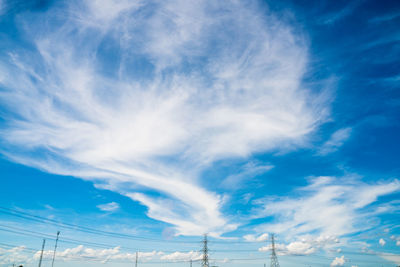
274,258
205,252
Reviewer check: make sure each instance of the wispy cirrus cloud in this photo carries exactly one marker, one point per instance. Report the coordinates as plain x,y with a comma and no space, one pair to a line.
336,140
328,206
247,172
343,13
149,94
112,206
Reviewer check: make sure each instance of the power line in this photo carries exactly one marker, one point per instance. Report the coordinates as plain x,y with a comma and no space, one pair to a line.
20,231
75,227
41,235
39,219
13,246
92,258
74,241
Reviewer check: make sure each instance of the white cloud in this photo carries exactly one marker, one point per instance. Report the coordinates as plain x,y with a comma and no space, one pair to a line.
254,238
396,239
103,255
336,140
112,206
2,7
327,206
304,246
14,255
338,261
248,171
182,256
102,12
347,10
382,242
82,253
395,258
191,83
300,248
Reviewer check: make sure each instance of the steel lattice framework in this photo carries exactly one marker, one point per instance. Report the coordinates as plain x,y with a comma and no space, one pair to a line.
274,258
205,252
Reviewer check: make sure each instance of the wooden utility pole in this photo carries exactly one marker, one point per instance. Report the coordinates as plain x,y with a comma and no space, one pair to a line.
55,248
41,254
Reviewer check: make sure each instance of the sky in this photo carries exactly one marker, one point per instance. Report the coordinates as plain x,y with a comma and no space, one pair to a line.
140,126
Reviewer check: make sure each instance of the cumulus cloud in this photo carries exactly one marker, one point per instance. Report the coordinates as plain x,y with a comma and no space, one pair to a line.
338,261
382,242
182,256
103,255
327,206
294,248
147,94
304,246
13,255
112,206
254,238
23,255
336,140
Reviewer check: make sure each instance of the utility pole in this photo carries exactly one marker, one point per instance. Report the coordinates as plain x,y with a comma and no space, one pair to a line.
55,248
274,258
41,254
205,252
136,259
191,262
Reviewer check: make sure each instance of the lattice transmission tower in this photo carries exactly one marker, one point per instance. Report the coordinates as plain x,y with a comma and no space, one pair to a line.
274,258
204,262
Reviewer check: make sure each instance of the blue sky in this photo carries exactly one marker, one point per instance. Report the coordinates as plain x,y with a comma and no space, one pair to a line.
159,121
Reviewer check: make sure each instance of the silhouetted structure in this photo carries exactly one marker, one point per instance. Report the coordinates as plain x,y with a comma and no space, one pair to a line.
274,258
205,252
